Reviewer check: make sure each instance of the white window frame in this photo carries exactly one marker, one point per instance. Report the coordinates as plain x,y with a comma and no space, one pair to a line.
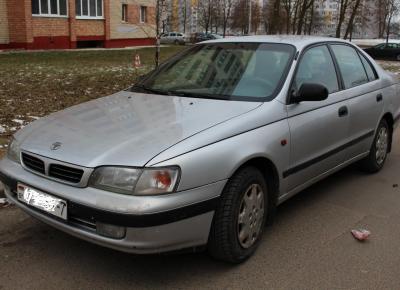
141,20
124,14
49,14
88,9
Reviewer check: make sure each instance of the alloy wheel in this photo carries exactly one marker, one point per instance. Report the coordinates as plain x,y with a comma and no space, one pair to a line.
251,214
381,145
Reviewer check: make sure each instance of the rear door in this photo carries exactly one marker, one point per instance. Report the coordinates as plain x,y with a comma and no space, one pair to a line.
318,129
366,99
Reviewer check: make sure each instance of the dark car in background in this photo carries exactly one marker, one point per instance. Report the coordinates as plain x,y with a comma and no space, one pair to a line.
201,36
385,51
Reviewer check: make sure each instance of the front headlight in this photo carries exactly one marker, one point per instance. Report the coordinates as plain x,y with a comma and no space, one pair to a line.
14,151
135,181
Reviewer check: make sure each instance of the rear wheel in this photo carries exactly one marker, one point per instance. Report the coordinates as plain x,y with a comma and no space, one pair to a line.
379,150
239,220
398,57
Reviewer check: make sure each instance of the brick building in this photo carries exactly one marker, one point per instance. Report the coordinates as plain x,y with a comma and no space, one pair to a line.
57,24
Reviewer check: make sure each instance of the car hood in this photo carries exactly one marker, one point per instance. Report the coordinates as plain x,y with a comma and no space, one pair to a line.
125,128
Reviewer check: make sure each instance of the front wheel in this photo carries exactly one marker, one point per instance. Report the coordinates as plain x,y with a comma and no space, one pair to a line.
239,220
379,149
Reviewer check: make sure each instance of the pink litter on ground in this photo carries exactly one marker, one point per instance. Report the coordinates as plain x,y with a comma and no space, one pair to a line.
361,234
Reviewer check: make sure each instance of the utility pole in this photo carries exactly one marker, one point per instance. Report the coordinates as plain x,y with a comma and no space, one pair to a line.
158,16
249,30
184,16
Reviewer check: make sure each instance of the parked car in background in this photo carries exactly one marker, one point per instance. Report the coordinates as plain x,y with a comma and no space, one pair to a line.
385,51
201,36
202,150
173,38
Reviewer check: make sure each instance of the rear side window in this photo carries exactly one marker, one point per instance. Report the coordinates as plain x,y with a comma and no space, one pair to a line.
369,69
316,66
350,66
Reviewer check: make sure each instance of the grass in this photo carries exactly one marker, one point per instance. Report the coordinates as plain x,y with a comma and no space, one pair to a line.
35,84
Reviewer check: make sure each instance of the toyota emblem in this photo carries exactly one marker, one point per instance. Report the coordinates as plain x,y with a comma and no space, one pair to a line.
55,146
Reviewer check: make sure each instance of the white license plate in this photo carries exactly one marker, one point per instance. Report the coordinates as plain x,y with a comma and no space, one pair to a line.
43,201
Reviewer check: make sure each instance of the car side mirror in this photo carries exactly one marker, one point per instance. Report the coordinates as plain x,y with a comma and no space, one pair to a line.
310,92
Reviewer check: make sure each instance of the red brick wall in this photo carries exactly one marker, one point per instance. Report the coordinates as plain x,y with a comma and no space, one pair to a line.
27,31
133,14
19,22
151,14
46,26
89,27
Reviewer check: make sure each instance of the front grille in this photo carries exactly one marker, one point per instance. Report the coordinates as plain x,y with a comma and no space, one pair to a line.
53,169
33,163
66,173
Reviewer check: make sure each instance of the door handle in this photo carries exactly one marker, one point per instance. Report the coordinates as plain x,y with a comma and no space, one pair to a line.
379,98
343,111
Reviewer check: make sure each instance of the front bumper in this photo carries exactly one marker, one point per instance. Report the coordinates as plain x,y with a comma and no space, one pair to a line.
153,224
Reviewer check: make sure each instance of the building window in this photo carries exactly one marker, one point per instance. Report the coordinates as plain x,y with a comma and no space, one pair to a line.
51,8
143,14
125,12
89,8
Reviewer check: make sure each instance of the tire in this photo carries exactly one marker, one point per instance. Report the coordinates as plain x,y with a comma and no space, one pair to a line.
398,57
379,150
227,241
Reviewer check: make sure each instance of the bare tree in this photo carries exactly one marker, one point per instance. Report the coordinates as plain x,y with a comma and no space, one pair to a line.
240,18
392,7
160,10
287,5
274,17
304,6
255,16
205,14
343,6
227,6
355,10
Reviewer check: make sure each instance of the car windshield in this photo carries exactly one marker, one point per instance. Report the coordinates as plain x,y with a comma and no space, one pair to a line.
236,71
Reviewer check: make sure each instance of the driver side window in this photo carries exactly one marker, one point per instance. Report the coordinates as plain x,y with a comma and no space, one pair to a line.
316,66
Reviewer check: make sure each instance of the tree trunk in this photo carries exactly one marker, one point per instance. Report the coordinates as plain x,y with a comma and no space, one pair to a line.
296,10
351,20
342,14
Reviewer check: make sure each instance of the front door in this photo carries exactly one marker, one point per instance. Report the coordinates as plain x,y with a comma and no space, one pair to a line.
318,129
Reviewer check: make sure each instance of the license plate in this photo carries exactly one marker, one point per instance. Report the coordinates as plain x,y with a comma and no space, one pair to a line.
43,201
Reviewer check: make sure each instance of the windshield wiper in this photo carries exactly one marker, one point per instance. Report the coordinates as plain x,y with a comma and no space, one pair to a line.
150,90
182,93
200,95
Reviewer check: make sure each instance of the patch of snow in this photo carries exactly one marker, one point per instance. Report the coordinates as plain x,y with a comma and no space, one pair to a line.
2,129
18,121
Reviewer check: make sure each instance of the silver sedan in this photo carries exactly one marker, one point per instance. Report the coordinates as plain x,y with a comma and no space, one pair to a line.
201,152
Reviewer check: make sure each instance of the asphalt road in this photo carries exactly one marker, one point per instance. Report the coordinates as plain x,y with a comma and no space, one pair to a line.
308,247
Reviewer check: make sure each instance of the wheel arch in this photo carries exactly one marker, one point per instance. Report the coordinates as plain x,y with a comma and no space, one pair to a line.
271,176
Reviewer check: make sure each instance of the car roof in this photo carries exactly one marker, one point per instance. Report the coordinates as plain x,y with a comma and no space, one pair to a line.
299,41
